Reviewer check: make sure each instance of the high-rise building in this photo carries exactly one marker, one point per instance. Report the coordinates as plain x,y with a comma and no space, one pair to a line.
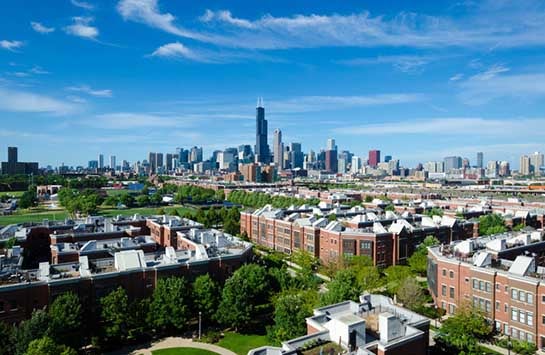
101,161
183,155
160,162
536,163
14,166
169,161
12,155
374,158
480,160
262,154
93,164
452,163
112,162
152,160
278,149
331,162
387,158
195,155
296,156
356,165
525,166
331,144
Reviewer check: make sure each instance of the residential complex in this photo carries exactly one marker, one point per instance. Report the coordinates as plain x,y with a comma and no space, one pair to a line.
372,326
94,256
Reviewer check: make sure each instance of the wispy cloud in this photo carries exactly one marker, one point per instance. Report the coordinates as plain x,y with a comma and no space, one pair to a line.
493,84
24,101
38,70
38,27
447,126
404,63
177,50
456,77
11,45
90,91
81,28
83,4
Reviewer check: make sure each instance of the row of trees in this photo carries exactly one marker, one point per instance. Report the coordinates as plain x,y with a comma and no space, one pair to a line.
198,195
76,201
23,182
260,199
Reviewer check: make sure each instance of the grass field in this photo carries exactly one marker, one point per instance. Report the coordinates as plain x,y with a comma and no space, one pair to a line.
11,193
183,351
242,343
39,215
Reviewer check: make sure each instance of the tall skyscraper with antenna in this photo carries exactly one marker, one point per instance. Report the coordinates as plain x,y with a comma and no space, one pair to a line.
262,154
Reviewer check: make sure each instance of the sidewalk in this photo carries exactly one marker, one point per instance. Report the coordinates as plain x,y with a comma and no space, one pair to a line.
176,342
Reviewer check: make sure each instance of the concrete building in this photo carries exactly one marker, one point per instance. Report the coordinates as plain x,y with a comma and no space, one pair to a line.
479,160
355,165
452,163
536,163
525,165
500,274
101,161
278,149
113,162
262,154
331,161
372,326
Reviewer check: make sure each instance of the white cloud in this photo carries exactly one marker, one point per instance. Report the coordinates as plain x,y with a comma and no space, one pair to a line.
447,126
403,63
23,101
81,28
11,45
148,13
82,4
38,70
176,50
38,27
131,120
90,91
456,77
493,84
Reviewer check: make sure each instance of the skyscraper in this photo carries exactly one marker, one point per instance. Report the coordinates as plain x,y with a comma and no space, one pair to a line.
152,159
296,156
101,161
261,147
112,162
452,163
480,160
278,149
524,165
374,158
331,144
536,163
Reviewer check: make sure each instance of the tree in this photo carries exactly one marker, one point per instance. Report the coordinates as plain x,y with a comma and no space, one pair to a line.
126,199
111,201
114,314
156,199
395,275
343,287
28,199
410,294
205,296
418,262
142,200
491,224
242,295
7,339
290,312
368,278
368,199
137,319
47,346
65,315
170,304
463,331
34,328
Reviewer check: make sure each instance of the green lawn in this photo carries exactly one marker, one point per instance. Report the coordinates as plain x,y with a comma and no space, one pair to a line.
35,216
183,351
11,193
242,343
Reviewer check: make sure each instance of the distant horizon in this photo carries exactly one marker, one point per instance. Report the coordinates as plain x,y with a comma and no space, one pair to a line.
417,81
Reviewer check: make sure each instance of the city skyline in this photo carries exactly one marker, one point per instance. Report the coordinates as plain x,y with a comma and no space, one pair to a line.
153,75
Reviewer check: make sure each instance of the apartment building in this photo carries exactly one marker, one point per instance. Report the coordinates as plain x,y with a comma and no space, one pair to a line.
372,326
502,275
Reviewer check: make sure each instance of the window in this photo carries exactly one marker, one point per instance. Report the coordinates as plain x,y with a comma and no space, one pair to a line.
514,294
451,274
542,298
514,333
522,317
505,309
444,272
498,304
497,286
487,306
444,305
514,314
522,296
530,338
452,292
488,287
543,319
530,318
475,284
451,309
481,285
443,290
530,298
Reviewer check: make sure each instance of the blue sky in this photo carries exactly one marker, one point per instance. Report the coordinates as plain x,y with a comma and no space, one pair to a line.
419,80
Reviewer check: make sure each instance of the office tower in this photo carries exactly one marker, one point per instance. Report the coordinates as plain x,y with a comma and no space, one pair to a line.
492,169
331,144
480,160
112,162
152,161
169,161
331,162
355,165
101,161
245,154
465,163
93,164
195,155
536,163
183,155
525,166
226,160
387,158
12,155
374,158
452,163
159,157
262,154
14,166
296,156
504,169
278,149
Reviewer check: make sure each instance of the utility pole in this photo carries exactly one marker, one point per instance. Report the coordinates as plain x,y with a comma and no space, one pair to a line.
200,313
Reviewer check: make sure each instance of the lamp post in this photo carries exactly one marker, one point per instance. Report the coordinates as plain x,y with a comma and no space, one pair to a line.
200,313
509,345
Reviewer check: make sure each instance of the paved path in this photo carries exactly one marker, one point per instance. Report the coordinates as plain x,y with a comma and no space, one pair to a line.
181,342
